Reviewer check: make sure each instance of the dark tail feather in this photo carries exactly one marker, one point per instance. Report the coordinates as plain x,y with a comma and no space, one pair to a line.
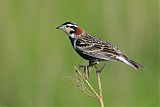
130,62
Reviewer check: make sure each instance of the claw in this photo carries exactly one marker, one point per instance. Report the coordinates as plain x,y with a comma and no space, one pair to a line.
99,70
81,66
85,70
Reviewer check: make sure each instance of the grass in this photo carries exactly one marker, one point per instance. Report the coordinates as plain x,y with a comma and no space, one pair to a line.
34,55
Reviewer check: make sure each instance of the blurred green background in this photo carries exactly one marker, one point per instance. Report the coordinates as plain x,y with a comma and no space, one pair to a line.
34,56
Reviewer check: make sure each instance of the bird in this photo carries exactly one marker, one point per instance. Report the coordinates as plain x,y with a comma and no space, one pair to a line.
93,49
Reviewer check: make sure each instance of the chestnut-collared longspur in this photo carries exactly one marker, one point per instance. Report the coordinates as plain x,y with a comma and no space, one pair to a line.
92,48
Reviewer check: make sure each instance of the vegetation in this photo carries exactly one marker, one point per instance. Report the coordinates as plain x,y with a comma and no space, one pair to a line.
34,56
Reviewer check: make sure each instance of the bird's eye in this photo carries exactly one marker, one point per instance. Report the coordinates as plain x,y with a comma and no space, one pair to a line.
71,32
67,26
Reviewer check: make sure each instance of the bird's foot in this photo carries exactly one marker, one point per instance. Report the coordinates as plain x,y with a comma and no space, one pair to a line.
99,70
86,70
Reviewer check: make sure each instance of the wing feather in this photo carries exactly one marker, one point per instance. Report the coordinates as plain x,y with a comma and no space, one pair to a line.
97,48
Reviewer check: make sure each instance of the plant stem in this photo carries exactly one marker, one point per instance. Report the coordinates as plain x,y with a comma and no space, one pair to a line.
88,84
100,96
100,89
92,89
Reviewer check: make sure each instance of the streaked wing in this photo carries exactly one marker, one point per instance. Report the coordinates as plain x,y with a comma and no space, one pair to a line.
97,48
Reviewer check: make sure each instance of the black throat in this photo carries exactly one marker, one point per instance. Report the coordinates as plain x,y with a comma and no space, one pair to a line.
72,41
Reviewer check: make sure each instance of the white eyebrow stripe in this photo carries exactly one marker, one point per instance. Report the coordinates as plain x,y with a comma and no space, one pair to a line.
72,25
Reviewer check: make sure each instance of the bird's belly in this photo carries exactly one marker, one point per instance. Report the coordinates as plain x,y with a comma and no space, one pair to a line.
87,57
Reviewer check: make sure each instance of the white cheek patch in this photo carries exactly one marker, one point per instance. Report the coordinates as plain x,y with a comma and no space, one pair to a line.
67,30
72,35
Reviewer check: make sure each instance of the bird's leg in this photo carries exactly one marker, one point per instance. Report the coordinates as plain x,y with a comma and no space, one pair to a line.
81,66
93,63
99,70
85,70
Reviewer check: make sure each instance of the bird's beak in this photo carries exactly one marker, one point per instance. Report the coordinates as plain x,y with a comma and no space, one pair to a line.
60,27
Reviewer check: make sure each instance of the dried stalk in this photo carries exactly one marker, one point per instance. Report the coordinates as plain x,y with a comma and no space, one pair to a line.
87,83
100,89
94,94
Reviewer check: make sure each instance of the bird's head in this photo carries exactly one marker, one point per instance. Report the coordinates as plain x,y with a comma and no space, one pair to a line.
71,29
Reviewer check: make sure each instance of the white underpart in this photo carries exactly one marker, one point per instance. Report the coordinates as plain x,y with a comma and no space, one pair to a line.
124,60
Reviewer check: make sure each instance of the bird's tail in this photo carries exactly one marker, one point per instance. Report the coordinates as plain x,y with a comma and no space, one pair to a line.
129,62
